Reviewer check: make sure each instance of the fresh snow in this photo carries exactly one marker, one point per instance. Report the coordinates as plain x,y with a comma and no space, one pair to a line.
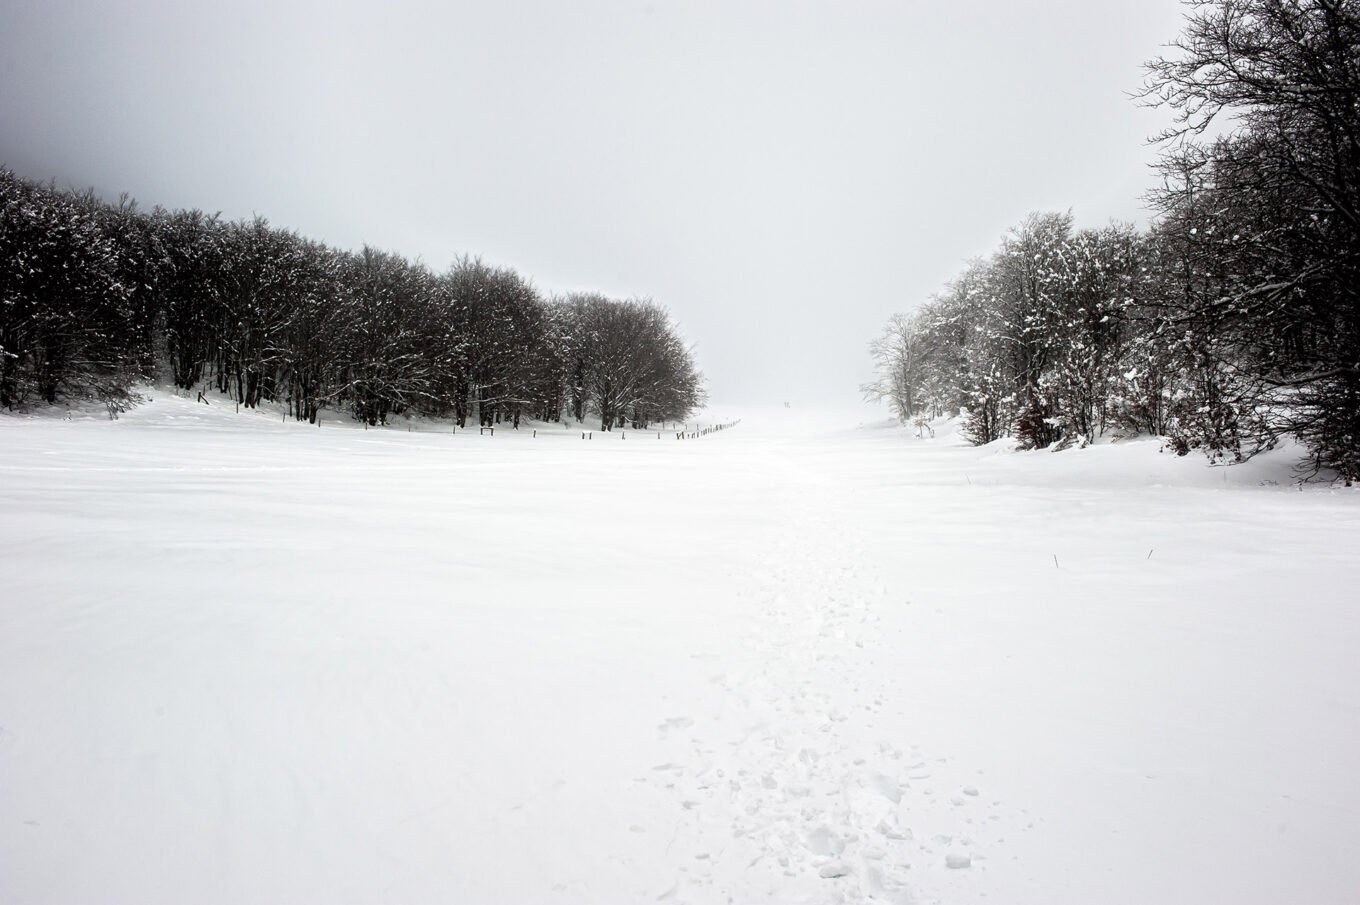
243,660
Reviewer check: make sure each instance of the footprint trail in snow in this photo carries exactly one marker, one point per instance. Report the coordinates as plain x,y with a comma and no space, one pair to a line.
793,791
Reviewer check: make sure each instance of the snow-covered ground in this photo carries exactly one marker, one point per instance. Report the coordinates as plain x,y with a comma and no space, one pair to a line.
249,661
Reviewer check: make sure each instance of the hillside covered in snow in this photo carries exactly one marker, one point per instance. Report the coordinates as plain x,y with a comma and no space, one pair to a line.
795,661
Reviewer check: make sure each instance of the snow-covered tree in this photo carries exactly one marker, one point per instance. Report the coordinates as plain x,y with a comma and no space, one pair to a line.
1282,80
901,359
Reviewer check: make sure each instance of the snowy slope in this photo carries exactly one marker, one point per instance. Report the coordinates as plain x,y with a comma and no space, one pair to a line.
243,660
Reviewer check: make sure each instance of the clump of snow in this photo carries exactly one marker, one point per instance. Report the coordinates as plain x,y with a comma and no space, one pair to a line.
888,787
823,841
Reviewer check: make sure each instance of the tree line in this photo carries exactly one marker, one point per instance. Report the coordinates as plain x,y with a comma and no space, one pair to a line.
1230,323
97,298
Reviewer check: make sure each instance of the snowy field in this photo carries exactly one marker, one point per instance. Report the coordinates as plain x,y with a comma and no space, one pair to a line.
796,661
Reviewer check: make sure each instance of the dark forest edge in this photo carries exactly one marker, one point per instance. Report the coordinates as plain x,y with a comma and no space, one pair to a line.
97,299
1233,322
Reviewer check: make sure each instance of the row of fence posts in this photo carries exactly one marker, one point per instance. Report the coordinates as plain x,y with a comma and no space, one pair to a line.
711,429
685,434
623,435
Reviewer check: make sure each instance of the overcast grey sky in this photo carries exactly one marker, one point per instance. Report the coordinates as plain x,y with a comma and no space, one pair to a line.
783,176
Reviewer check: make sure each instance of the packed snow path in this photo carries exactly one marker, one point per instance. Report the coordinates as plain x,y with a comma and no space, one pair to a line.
242,660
